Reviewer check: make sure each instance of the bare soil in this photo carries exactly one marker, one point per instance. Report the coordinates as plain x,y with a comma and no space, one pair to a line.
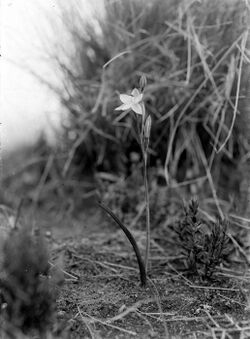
101,296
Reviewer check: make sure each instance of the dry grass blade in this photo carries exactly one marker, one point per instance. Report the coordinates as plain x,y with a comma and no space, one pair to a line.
86,322
128,310
243,48
95,320
156,293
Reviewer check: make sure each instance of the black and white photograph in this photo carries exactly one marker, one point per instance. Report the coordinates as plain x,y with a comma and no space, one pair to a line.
124,169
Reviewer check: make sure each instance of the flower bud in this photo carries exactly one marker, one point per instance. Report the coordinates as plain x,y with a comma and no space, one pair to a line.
143,82
147,127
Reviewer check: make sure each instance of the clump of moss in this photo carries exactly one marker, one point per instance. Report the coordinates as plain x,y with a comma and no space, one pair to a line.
28,301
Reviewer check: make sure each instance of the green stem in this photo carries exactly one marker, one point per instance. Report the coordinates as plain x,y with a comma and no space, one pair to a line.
148,237
144,142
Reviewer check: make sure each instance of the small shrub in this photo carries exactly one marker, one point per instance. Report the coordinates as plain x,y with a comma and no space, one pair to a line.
28,301
204,246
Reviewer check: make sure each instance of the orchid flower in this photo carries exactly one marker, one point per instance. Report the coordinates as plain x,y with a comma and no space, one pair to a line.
135,103
132,102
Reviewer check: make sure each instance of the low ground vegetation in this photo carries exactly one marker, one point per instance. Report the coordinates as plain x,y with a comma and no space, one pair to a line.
92,286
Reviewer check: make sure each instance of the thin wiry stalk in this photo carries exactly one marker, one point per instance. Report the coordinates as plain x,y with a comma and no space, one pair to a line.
144,141
148,235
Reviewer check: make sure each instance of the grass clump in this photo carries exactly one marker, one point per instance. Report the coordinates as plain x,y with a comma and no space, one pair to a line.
205,246
28,299
190,56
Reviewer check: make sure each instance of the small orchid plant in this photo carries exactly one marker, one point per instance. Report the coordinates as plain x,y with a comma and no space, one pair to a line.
134,103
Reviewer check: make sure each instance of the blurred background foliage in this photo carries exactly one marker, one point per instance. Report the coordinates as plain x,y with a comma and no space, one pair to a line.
194,56
190,52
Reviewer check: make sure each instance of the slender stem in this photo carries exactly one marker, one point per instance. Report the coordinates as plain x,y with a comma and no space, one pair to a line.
145,177
144,141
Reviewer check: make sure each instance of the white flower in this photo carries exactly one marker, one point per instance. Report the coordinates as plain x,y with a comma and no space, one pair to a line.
133,102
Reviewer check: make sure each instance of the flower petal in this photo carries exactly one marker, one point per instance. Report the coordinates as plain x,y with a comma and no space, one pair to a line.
138,98
123,107
135,92
137,108
126,99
